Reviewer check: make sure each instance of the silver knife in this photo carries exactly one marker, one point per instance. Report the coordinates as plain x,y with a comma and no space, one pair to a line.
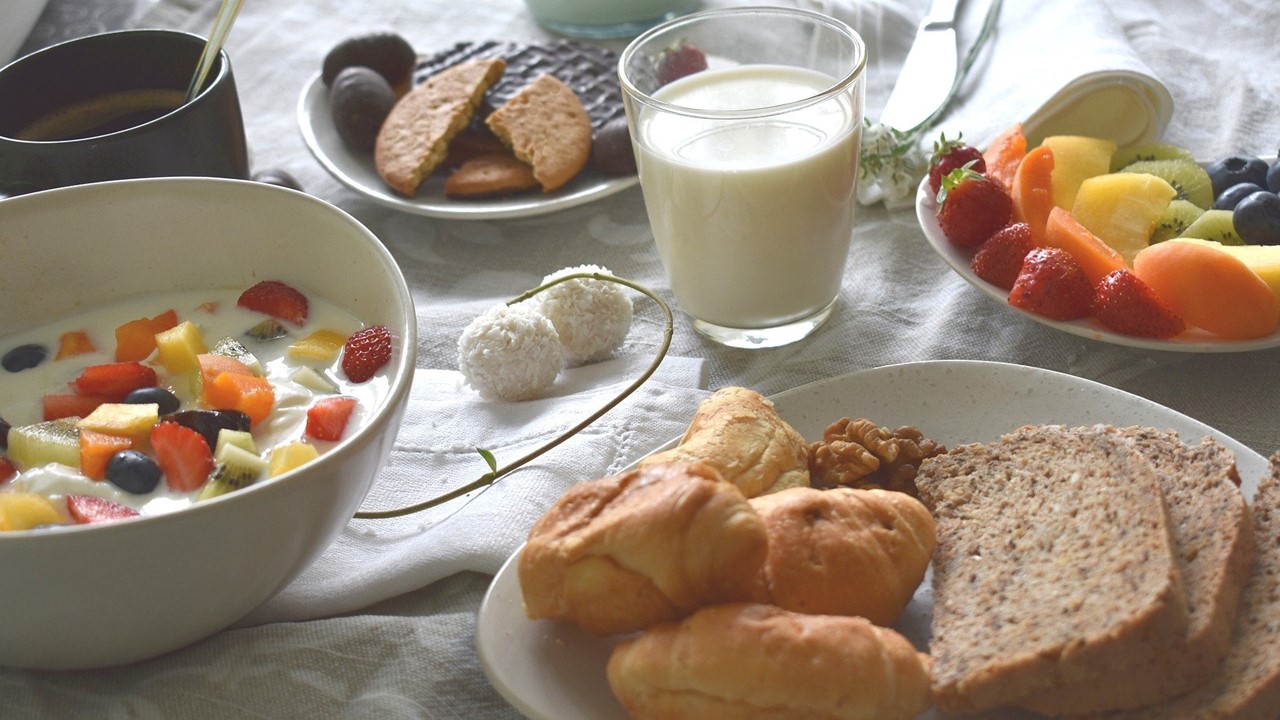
928,72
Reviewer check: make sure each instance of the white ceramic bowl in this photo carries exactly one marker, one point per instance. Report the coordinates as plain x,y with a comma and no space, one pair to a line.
100,595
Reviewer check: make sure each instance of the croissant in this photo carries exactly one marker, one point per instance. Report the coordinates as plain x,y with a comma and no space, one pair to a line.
652,544
844,551
738,432
762,662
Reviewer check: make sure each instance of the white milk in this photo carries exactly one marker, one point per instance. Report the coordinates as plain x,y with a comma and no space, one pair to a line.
752,218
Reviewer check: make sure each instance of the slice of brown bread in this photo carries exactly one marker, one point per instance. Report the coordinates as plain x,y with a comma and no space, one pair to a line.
1213,533
1055,564
1247,684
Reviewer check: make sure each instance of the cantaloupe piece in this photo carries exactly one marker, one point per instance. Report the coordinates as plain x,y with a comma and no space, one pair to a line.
1122,209
1033,191
1095,257
1003,156
1210,289
1075,159
1262,259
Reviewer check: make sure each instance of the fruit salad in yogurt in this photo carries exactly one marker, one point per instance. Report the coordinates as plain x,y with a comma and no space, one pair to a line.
157,403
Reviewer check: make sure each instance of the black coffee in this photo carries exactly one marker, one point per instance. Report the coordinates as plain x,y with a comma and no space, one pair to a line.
102,115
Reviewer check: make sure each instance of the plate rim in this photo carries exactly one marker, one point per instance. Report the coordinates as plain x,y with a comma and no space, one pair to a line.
480,209
506,573
956,258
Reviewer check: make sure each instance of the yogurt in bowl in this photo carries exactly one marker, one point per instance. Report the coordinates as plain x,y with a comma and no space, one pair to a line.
105,593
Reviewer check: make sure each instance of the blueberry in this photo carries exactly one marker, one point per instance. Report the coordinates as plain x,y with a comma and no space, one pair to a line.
133,471
168,402
24,357
1257,219
1236,169
1234,194
1273,177
209,422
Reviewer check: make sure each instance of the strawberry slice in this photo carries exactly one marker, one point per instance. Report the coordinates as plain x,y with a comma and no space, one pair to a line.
999,259
274,298
182,454
7,470
365,352
1051,283
92,509
61,405
1125,304
972,207
327,418
680,60
114,381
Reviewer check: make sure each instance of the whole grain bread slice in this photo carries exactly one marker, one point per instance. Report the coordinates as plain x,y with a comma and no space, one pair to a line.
1055,563
1247,683
1213,534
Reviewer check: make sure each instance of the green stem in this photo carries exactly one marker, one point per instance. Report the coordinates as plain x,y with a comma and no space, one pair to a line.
490,477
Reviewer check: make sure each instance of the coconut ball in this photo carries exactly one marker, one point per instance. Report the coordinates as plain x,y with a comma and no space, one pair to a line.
592,316
510,353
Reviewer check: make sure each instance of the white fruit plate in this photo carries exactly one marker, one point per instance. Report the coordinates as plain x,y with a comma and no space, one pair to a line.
1194,340
356,171
554,671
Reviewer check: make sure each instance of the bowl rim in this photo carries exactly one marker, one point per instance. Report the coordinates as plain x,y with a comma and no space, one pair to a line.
401,375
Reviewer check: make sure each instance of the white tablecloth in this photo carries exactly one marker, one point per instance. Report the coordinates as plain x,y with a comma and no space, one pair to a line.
413,655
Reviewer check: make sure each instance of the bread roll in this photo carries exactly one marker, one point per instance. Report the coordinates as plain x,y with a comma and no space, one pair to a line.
761,662
624,552
844,551
738,432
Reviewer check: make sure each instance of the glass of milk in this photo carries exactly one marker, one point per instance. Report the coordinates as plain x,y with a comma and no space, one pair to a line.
601,19
748,167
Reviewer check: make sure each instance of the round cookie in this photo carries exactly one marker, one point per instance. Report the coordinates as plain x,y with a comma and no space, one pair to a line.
547,127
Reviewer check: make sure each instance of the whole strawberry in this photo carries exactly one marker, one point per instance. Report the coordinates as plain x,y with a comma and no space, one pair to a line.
972,207
1052,284
1125,304
999,259
679,60
949,155
365,352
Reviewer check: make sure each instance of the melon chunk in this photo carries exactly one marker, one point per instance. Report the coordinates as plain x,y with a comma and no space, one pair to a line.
1122,209
1076,159
1210,289
1262,259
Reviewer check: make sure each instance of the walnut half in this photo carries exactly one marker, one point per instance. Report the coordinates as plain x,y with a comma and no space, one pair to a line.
861,454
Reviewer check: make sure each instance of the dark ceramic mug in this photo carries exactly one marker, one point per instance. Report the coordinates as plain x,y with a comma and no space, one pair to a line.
110,106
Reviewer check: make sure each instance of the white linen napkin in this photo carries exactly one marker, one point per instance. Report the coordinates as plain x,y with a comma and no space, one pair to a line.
435,451
1060,67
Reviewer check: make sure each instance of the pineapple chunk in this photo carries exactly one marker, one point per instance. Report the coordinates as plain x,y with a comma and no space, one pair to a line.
321,346
1122,209
23,511
122,419
179,347
51,441
1076,159
289,456
1262,259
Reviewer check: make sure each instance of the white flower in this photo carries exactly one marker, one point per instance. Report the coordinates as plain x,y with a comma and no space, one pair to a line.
891,166
510,353
591,316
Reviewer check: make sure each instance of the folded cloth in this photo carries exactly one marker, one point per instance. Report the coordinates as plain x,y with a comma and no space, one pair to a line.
1060,67
436,451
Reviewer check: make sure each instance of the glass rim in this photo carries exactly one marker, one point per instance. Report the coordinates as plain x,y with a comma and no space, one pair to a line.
839,86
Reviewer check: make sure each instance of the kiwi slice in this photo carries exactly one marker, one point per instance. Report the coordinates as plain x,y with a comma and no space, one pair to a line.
1187,178
1214,225
1175,220
1148,151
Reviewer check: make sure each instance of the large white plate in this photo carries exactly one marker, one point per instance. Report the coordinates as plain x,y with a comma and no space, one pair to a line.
1194,340
553,671
356,171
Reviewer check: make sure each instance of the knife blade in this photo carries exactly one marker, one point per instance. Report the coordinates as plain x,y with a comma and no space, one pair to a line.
928,72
